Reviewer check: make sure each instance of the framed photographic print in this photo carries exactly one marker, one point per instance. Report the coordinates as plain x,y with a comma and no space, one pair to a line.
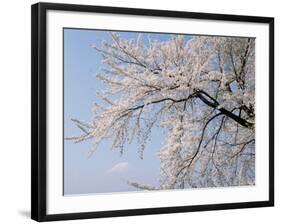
138,111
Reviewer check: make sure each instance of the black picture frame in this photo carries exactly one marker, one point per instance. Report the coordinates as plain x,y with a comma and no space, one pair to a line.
39,108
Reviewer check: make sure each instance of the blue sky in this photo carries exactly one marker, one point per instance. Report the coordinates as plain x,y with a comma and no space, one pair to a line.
106,170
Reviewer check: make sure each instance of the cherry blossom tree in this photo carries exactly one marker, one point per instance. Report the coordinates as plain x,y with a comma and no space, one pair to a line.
200,90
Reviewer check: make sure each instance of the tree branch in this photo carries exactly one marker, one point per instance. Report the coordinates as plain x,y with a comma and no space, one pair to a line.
214,104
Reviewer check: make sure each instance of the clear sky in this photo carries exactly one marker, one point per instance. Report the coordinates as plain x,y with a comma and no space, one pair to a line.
106,170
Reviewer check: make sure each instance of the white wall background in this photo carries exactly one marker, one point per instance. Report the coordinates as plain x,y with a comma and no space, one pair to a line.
15,110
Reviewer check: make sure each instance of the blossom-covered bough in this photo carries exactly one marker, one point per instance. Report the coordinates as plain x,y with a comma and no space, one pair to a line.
199,89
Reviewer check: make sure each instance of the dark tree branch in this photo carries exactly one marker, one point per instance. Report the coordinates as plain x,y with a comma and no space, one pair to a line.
205,98
191,159
242,148
214,104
